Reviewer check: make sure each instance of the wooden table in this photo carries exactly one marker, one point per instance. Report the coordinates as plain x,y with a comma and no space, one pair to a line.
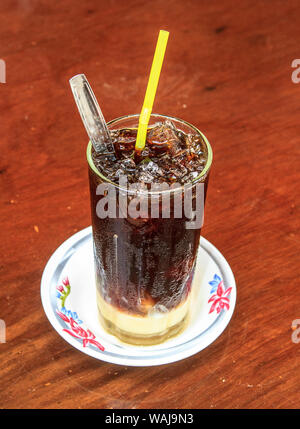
228,71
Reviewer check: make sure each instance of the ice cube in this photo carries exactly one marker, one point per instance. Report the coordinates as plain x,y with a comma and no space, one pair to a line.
164,136
151,169
129,164
148,166
145,177
125,141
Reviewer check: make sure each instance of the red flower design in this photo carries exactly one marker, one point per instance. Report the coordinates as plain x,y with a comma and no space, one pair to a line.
65,281
220,299
78,332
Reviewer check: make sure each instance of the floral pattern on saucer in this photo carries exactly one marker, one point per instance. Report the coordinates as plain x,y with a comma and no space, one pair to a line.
219,298
72,319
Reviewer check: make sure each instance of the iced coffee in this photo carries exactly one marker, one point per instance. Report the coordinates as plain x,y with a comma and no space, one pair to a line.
144,249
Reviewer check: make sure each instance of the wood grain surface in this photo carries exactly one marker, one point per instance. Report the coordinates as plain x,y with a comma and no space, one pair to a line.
228,71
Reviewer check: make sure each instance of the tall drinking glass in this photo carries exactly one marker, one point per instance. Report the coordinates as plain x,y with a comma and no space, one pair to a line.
145,258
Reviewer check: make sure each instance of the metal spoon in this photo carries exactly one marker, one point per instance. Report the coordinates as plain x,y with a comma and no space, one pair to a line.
91,115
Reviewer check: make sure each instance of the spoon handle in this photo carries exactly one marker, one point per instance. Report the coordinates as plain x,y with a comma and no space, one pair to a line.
91,115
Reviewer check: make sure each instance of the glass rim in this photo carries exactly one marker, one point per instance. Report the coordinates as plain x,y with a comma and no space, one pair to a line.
136,115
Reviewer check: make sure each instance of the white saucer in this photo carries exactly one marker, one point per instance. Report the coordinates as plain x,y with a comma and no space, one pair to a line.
77,322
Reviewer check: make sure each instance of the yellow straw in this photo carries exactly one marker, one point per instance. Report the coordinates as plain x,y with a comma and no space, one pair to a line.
151,89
